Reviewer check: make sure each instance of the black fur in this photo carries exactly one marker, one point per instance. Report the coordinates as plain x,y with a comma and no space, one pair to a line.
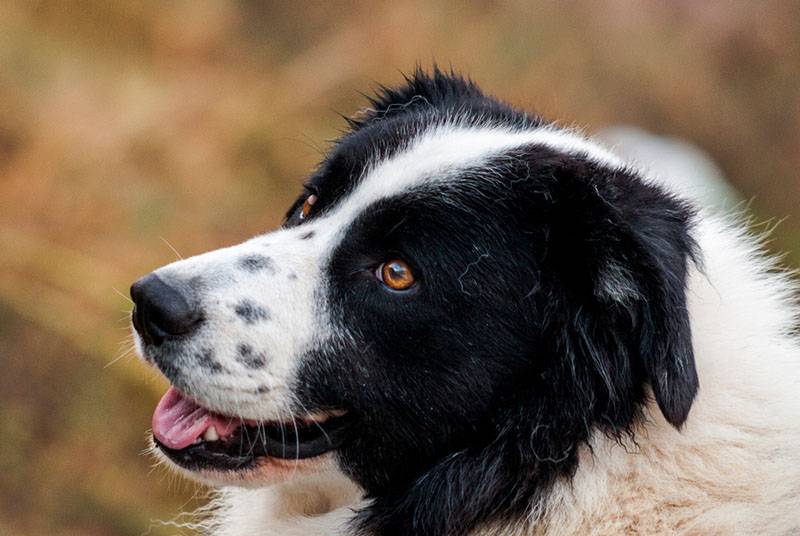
547,300
251,312
250,358
205,359
256,263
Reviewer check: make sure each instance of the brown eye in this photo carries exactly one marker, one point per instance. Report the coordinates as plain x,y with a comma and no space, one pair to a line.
396,275
310,200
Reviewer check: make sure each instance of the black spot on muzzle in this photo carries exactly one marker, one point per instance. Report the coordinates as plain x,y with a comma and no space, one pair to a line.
251,312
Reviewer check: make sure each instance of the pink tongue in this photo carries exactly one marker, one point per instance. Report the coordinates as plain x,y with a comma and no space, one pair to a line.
178,421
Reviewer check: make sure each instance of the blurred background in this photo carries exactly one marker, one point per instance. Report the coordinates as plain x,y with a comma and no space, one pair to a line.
134,131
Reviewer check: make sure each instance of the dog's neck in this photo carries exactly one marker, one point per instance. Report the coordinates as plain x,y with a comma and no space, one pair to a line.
324,504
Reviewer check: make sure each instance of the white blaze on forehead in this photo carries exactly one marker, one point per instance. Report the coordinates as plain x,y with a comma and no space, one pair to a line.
435,154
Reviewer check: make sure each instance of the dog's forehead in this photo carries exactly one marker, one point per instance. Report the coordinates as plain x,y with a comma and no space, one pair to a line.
433,156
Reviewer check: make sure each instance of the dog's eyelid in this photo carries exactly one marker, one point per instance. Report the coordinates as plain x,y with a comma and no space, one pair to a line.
308,205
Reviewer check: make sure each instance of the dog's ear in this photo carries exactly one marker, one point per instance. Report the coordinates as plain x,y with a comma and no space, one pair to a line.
652,291
626,245
665,346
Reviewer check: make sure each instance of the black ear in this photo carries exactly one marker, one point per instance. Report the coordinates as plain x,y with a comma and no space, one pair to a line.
631,259
660,233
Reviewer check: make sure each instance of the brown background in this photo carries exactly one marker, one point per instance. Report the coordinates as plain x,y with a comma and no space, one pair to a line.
127,125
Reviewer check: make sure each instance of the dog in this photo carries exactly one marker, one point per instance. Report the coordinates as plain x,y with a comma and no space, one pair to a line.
475,322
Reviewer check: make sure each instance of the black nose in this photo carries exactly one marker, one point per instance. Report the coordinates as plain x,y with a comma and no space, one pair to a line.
162,311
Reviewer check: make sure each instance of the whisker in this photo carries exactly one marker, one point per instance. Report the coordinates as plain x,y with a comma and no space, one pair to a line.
123,295
261,427
126,353
128,342
318,425
283,435
244,431
296,446
252,443
175,251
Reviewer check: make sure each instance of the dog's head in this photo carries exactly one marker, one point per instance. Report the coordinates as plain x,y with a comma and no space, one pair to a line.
459,297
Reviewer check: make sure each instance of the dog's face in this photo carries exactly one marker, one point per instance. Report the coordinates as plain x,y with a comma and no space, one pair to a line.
455,274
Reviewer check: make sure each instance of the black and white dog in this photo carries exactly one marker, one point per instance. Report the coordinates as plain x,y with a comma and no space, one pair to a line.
476,322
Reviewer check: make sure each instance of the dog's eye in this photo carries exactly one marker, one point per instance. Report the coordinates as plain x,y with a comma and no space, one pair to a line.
395,274
307,206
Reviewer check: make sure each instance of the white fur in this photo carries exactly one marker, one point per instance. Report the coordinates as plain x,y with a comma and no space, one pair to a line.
437,154
290,304
322,504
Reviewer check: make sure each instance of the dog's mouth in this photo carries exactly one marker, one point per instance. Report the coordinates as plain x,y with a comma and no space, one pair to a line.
196,438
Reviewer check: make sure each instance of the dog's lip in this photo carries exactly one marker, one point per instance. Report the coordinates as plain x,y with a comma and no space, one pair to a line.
247,446
196,438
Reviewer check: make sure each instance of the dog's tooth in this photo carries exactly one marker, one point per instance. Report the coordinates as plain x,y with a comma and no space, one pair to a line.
210,434
315,418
